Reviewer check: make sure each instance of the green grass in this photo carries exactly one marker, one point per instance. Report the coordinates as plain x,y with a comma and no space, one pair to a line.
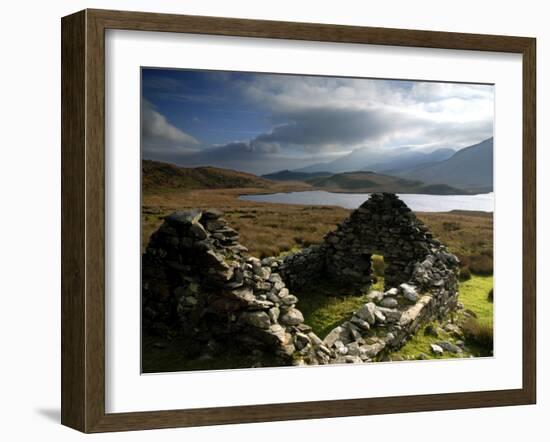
473,294
325,305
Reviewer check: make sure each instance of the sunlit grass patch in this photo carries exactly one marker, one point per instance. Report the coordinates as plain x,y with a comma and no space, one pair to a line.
474,295
326,305
478,332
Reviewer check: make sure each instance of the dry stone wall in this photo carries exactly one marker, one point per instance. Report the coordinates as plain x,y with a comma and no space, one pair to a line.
199,281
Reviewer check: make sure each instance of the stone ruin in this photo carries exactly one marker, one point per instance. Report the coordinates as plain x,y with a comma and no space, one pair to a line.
199,282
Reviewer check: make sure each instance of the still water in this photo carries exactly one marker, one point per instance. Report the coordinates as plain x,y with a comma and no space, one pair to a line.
420,203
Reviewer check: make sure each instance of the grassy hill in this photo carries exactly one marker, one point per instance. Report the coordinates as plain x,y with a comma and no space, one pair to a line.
376,182
162,177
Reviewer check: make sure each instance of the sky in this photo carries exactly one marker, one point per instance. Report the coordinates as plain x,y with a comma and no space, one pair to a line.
261,123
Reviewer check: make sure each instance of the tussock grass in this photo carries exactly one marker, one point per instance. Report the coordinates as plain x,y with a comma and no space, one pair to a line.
469,235
465,274
478,333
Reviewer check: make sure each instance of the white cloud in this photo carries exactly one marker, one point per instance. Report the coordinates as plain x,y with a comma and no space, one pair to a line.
339,114
158,134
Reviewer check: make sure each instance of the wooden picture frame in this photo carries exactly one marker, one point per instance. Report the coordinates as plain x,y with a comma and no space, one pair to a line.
83,220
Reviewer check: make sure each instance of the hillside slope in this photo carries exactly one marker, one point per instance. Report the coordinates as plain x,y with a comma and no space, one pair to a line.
290,175
366,182
158,176
470,168
377,160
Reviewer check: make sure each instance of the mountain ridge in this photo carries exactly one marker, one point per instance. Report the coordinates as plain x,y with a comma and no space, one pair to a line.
470,168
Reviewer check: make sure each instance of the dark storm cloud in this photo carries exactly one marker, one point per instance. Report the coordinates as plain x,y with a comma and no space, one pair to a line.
318,129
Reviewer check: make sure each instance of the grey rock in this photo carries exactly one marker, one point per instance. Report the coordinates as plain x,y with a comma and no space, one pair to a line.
454,330
389,302
436,349
292,317
315,340
184,218
198,231
352,359
212,214
337,334
361,323
279,332
380,317
340,348
409,292
273,298
375,296
262,272
301,341
283,292
391,314
366,312
244,294
275,277
450,347
289,300
274,313
258,319
371,350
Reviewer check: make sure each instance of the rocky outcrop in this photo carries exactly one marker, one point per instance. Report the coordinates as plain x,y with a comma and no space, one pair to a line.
199,281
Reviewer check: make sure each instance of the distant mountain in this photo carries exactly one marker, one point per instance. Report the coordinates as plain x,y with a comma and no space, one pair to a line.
411,159
470,168
158,176
289,175
367,182
379,160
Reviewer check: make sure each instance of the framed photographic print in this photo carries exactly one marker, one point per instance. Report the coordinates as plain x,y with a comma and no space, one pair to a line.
270,220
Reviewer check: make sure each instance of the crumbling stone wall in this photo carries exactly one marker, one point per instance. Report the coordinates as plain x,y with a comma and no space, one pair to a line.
420,278
383,225
199,281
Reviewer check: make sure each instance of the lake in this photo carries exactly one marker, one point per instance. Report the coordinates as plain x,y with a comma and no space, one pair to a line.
421,203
